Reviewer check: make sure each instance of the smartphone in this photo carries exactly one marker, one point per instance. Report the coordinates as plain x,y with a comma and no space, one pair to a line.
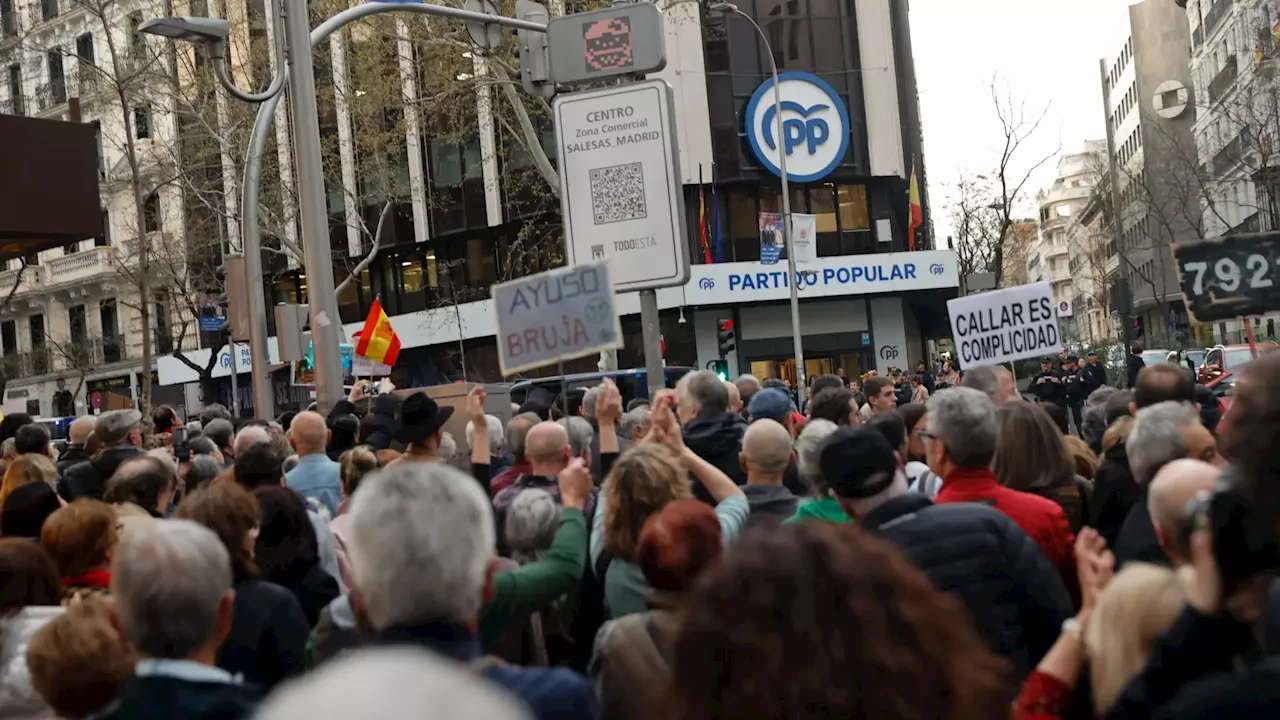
181,450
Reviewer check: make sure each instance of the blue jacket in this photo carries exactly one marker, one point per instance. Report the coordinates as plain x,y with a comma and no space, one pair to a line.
551,693
317,478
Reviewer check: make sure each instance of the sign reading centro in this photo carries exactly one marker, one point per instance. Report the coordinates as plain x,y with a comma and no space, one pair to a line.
1005,325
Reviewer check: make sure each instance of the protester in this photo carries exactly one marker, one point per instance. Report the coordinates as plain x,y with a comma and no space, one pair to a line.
421,428
121,436
921,478
1161,433
1085,459
708,428
499,459
1058,415
629,666
548,449
268,628
221,433
214,411
1094,417
30,596
994,381
78,661
164,419
177,569
1133,365
802,622
1114,490
77,435
641,483
925,378
1012,592
950,378
1032,457
32,439
748,386
250,435
735,398
634,424
286,551
25,470
960,438
820,505
81,538
342,435
422,546
382,683
140,493
881,396
837,405
25,510
532,521
919,390
766,456
355,465
316,478
11,422
200,472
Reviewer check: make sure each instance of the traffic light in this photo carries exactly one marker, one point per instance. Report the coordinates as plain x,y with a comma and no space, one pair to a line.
724,337
721,368
1138,326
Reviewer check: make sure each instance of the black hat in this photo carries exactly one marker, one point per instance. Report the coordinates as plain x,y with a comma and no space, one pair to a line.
419,418
1071,358
851,458
1046,359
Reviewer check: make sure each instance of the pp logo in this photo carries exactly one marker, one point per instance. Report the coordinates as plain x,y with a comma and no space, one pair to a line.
888,352
937,269
706,283
815,127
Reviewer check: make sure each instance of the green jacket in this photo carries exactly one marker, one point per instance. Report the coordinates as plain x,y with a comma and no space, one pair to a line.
533,587
827,508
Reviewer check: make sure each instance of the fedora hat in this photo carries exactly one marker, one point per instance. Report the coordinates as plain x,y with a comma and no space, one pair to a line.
419,418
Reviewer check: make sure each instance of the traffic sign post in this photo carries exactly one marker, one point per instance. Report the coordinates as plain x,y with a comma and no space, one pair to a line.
627,39
1230,277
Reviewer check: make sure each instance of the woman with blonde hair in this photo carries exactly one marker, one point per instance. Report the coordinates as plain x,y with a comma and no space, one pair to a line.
1032,457
27,469
353,466
1086,461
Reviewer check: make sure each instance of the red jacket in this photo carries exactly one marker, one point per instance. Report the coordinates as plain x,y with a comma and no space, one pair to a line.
507,478
1040,518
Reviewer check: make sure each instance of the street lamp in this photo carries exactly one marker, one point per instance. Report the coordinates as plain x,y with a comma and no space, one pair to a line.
792,279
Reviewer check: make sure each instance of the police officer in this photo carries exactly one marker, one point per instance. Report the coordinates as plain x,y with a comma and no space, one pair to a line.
1092,375
1047,384
1075,390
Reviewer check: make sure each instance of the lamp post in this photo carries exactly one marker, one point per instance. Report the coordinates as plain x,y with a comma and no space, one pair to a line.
792,279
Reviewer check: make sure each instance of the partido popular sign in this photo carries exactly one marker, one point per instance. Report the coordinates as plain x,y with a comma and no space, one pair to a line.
1005,325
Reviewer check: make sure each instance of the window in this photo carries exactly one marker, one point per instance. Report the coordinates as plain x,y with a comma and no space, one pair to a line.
142,122
33,259
49,9
104,239
70,248
9,337
57,80
35,324
78,325
151,213
15,89
84,48
137,41
8,26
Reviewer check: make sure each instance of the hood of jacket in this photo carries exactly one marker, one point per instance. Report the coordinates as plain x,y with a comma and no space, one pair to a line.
19,700
826,509
770,499
714,434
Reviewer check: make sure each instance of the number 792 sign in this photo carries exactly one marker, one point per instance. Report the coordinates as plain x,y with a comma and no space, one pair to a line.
1230,277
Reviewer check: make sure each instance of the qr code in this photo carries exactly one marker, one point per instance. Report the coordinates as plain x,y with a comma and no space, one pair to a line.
617,193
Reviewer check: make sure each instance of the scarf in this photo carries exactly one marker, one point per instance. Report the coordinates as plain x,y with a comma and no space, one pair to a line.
93,578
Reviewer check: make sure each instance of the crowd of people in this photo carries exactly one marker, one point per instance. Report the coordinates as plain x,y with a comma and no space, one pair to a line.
880,548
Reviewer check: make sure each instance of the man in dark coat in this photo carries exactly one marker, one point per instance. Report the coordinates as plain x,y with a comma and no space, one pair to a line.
77,437
1074,389
1092,375
1133,365
709,429
1015,596
121,435
1047,384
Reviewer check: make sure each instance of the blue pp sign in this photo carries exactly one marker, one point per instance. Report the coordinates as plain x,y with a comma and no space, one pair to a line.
815,126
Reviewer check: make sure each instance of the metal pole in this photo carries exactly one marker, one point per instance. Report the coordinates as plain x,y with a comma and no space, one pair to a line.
653,367
235,389
326,324
792,280
1117,215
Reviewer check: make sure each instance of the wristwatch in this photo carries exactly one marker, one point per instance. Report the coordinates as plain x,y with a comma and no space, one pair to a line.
1072,627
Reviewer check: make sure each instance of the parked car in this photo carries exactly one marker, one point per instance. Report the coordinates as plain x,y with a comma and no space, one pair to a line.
1230,358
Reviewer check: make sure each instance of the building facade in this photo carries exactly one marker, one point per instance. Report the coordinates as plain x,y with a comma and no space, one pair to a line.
1053,256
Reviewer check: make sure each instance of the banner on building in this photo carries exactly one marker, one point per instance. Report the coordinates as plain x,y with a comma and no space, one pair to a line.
804,237
1005,325
773,238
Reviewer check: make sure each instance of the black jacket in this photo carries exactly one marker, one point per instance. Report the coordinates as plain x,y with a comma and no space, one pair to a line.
89,478
73,455
1133,366
1073,381
717,438
770,501
165,698
268,636
1049,391
1014,595
1092,377
1210,415
314,588
1137,541
1115,492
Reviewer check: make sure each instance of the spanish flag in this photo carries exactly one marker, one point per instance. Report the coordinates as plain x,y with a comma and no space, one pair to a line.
378,340
917,212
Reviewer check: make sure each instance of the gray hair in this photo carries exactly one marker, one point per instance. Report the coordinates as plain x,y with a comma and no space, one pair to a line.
168,582
580,433
290,462
1093,418
806,449
382,682
214,411
638,418
249,436
589,402
448,446
495,434
421,539
986,379
749,379
963,419
194,428
1156,437
704,389
202,472
517,429
532,521
220,431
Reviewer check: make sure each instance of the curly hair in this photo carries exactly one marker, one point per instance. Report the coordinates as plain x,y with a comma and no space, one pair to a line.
643,480
79,537
231,512
822,620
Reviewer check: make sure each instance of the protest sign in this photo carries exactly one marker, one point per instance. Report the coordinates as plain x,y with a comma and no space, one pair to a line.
556,315
1005,325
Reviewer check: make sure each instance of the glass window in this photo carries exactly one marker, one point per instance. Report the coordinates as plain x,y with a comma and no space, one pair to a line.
822,204
853,208
446,164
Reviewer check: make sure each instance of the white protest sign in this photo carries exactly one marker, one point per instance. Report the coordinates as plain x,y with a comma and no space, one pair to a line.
362,366
556,315
1005,325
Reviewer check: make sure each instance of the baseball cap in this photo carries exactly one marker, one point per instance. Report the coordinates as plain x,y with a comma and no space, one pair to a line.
769,403
857,462
1046,359
1072,358
1091,354
114,426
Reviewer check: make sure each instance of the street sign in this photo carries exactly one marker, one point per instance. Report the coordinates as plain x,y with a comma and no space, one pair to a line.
95,399
560,314
211,323
620,192
626,39
1005,325
1230,277
485,35
815,126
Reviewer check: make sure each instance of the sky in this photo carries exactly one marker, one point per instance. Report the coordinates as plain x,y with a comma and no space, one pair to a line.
1040,51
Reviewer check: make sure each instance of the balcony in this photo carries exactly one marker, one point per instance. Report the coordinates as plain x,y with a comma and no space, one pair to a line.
1214,16
13,106
81,266
110,348
1228,156
1224,80
90,81
22,365
1060,275
1053,250
32,280
1197,37
1250,224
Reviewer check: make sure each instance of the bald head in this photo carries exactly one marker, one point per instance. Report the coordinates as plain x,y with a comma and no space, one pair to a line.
80,430
766,451
546,444
735,397
308,433
1171,490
